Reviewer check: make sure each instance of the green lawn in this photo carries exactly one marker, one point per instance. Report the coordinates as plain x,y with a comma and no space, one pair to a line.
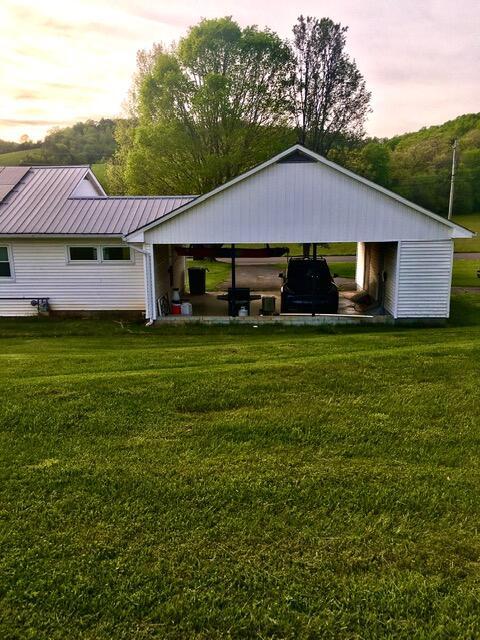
472,222
335,249
465,273
14,158
217,272
207,483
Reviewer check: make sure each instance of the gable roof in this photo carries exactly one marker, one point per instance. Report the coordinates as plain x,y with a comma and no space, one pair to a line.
43,202
298,153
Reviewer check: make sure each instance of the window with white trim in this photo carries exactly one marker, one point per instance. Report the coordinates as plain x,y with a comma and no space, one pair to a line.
82,254
5,263
118,253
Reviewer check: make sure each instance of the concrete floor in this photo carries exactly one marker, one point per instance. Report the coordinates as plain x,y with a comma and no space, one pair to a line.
208,305
263,279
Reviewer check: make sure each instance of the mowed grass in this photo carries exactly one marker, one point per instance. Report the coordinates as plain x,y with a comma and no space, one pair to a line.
472,222
238,482
333,249
14,158
217,272
465,273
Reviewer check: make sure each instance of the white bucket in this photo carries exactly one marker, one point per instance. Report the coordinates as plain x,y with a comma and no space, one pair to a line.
186,309
242,312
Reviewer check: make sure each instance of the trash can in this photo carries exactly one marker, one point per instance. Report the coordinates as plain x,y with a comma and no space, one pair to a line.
197,277
268,306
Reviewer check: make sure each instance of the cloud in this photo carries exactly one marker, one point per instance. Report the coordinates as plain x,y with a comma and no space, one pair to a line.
28,95
9,122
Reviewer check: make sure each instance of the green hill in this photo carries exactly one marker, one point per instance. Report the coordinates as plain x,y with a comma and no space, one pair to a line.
22,157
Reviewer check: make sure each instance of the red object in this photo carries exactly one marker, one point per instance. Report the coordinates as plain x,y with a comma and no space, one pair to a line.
176,309
204,251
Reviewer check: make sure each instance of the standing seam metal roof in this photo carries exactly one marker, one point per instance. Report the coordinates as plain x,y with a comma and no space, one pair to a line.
41,202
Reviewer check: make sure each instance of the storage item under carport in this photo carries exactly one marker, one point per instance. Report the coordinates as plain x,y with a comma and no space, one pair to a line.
238,298
197,278
268,305
186,308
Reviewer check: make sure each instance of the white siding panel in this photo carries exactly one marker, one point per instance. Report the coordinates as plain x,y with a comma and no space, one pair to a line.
298,202
424,279
17,308
41,269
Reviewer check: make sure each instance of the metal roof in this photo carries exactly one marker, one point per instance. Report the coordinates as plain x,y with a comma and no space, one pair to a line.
42,203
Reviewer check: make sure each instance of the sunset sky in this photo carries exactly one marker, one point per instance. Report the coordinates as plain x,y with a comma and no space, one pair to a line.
66,61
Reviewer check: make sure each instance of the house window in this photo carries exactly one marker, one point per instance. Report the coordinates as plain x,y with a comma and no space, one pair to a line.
116,254
82,254
5,263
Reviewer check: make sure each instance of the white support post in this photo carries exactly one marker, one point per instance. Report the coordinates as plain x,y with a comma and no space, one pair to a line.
149,281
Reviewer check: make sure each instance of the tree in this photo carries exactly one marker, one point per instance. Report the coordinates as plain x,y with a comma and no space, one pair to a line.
83,143
208,109
329,93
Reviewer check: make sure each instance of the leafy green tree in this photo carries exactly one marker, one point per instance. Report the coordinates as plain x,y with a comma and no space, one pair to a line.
83,143
329,93
208,109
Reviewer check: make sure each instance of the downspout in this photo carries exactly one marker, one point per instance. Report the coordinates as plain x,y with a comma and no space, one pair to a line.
151,309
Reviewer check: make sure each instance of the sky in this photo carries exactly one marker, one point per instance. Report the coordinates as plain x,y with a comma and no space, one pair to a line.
64,61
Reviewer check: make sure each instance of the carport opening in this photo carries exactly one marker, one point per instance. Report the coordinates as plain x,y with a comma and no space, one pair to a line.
257,280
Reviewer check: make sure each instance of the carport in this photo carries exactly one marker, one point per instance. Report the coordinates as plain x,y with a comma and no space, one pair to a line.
404,253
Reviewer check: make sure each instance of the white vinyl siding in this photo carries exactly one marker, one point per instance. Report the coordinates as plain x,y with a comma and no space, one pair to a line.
424,279
302,202
43,270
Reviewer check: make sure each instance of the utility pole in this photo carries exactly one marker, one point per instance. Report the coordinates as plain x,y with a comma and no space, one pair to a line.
452,180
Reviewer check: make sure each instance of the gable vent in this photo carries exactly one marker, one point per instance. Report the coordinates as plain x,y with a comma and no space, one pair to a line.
296,156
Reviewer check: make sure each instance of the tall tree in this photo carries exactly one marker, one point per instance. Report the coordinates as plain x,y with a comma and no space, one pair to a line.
208,109
330,97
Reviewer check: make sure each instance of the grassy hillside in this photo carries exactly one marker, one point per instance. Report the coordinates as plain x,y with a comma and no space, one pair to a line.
472,222
14,158
420,164
239,483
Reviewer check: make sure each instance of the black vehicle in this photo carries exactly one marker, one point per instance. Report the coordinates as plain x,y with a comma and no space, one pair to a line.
308,287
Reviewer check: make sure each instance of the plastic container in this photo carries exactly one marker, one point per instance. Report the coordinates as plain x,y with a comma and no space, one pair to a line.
176,295
176,309
186,309
197,279
242,312
268,305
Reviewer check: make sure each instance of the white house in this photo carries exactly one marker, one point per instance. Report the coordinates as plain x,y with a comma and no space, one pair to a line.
63,238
